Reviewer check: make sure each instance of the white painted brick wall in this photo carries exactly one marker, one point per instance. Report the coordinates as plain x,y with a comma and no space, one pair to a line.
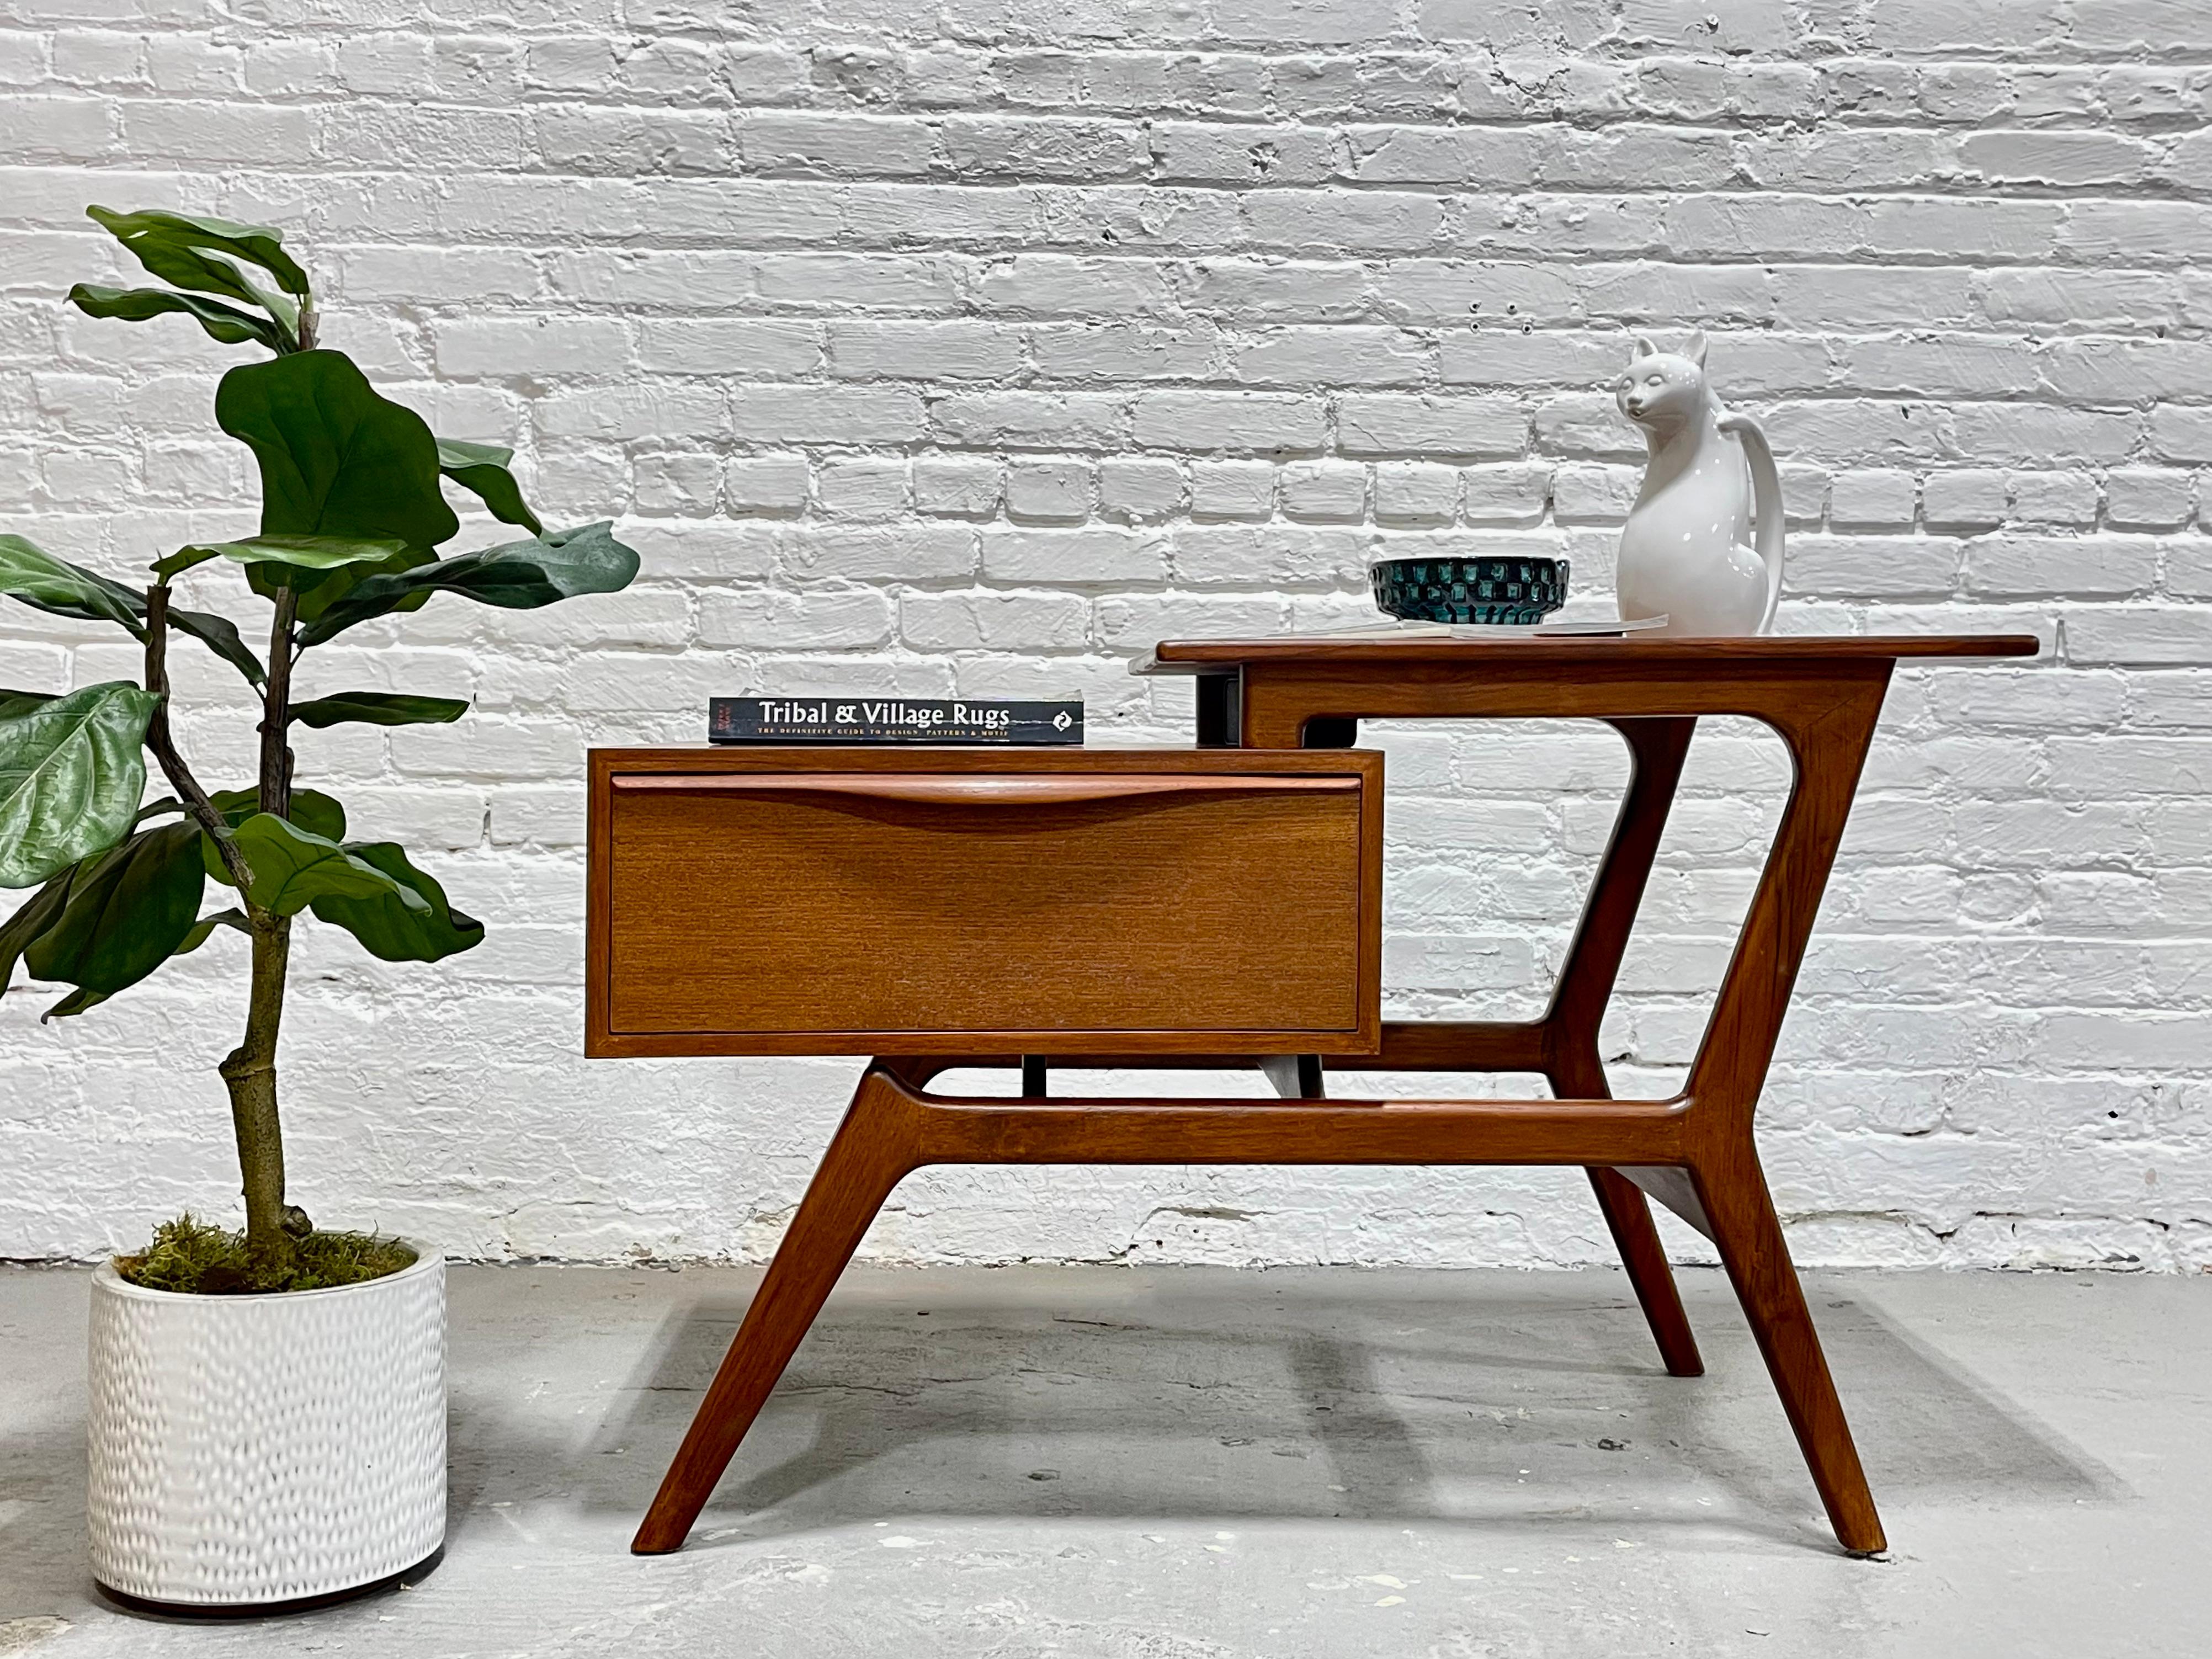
975,346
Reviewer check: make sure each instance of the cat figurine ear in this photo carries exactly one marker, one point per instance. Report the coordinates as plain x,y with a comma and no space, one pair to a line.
1695,351
1644,348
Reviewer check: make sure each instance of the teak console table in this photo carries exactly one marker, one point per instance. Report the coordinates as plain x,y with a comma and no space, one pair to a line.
1217,906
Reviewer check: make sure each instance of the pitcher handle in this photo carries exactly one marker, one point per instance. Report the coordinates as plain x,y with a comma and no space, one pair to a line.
1766,506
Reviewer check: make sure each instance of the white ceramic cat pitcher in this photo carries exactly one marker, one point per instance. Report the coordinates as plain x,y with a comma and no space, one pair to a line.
1687,551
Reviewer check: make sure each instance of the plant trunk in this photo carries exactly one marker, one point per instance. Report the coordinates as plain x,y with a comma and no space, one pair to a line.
250,1072
276,793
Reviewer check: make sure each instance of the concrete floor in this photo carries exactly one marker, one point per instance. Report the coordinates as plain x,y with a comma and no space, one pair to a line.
1109,1463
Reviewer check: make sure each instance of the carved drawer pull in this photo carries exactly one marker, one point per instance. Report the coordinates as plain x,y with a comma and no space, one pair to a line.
976,789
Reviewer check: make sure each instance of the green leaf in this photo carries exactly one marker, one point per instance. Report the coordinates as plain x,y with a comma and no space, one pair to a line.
297,552
292,868
311,810
153,234
71,772
220,634
524,575
482,468
36,915
61,589
176,564
387,926
516,576
13,703
137,305
336,459
378,708
207,925
318,591
125,913
198,253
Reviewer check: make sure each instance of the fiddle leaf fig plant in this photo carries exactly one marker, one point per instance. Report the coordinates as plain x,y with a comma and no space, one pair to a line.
352,514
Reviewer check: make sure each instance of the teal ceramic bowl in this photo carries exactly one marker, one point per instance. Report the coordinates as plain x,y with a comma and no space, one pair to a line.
1518,591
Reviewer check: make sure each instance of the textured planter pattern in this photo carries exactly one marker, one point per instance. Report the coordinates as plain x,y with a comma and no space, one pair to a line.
259,1449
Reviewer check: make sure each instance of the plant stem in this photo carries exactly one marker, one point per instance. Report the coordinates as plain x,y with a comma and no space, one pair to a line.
277,709
250,1073
251,1070
162,742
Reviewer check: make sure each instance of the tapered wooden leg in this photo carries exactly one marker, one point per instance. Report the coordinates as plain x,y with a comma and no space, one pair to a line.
1656,749
1750,1239
1629,1215
1577,1074
871,1150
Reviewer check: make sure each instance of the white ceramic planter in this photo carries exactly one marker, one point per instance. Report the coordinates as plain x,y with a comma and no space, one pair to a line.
252,1451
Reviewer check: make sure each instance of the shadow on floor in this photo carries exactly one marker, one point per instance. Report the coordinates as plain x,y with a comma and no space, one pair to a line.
1433,1408
1930,1428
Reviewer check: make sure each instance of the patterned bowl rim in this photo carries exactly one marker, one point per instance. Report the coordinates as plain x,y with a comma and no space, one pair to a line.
427,1256
1374,565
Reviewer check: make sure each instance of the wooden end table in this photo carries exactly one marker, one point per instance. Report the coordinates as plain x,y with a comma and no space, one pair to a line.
1694,1152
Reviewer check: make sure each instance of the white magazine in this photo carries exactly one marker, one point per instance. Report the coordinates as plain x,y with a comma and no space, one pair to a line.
1593,628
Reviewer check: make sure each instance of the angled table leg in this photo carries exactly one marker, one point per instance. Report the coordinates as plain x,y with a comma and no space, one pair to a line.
1758,1267
1827,722
1829,747
871,1153
1573,1061
1628,1217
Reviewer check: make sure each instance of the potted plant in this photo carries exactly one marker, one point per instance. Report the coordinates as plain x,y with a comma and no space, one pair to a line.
267,1415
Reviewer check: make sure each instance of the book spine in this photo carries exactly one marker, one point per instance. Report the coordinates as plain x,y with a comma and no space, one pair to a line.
833,720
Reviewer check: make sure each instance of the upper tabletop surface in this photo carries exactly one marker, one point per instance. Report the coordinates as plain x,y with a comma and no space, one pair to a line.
1645,650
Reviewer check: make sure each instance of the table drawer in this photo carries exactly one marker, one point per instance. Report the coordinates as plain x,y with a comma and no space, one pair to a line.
820,902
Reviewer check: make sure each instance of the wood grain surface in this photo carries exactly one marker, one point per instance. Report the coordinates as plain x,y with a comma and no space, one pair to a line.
767,904
1517,653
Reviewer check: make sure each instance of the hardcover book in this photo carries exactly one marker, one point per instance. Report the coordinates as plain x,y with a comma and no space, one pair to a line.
835,719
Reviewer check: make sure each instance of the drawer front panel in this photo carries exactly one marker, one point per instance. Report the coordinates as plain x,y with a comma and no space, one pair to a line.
839,910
